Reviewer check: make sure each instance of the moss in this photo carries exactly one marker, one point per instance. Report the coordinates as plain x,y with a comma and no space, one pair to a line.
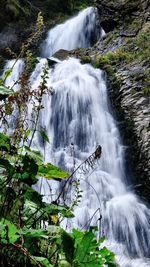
85,59
136,50
105,62
113,58
101,61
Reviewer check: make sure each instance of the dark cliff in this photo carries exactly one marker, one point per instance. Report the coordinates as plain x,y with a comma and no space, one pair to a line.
124,53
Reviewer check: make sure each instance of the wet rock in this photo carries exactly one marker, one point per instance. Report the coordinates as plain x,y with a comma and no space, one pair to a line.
62,54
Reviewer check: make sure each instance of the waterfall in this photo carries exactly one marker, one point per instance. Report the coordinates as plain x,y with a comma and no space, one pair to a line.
77,118
77,32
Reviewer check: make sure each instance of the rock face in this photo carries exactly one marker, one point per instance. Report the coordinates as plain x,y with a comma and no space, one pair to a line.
119,12
135,113
124,54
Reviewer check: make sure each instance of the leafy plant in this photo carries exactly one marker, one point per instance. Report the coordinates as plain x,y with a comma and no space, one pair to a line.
30,232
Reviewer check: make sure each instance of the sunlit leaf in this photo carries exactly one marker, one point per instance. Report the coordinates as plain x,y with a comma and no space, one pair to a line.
4,142
50,171
35,233
6,74
27,133
43,261
4,92
84,246
54,219
5,226
35,154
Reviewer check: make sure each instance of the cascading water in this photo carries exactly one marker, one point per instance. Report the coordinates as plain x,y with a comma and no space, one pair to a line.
78,115
78,32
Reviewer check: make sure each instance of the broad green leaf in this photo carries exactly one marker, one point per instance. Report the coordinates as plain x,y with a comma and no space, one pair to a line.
4,142
66,213
27,148
4,92
77,235
29,165
29,170
54,209
50,171
68,246
25,176
27,133
44,135
34,196
5,145
35,233
36,155
84,247
4,163
43,261
12,231
6,74
30,209
107,255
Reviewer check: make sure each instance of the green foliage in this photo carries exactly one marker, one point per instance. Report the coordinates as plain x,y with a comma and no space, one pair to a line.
26,11
4,142
22,210
135,50
30,232
143,40
85,59
30,62
45,136
4,92
8,232
88,252
43,261
113,58
49,171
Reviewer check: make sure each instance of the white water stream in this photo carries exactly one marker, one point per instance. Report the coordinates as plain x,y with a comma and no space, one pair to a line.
77,118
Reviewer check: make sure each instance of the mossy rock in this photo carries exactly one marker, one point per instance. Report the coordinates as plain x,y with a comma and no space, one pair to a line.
85,59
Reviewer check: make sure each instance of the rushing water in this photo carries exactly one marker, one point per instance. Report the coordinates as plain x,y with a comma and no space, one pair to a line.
77,118
81,31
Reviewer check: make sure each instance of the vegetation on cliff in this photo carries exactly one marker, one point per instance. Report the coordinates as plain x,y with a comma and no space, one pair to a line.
124,53
28,10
